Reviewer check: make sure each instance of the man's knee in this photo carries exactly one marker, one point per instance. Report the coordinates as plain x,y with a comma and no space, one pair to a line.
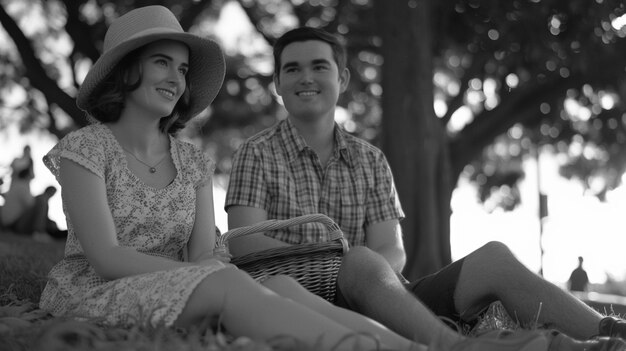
361,266
494,256
496,250
361,259
357,255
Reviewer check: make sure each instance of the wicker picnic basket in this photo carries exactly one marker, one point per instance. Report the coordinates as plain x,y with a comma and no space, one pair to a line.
313,265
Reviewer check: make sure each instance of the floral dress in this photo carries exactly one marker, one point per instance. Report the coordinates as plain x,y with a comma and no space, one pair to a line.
153,221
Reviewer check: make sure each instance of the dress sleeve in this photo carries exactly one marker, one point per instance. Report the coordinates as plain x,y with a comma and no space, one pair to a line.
247,186
383,203
205,166
82,147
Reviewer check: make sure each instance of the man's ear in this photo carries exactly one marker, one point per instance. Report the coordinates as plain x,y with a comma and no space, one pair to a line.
277,84
344,79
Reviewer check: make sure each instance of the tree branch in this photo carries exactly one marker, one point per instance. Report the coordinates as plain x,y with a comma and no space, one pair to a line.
81,33
256,20
518,108
188,17
37,74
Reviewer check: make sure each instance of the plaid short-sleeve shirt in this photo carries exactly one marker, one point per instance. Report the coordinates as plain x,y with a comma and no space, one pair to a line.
275,170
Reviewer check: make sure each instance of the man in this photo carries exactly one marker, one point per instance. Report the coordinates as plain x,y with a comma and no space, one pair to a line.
307,164
578,280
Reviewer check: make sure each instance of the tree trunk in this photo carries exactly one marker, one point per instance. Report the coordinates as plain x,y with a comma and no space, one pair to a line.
413,138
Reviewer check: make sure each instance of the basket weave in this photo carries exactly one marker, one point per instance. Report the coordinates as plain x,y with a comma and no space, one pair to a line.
313,265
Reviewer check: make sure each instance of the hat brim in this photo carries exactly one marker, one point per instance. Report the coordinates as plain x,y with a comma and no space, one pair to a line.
206,66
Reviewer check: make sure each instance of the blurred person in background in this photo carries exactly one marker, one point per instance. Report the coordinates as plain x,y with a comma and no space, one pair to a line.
578,280
44,228
23,165
16,214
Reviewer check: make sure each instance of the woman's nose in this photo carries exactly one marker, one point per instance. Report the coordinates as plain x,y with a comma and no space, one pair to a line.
176,77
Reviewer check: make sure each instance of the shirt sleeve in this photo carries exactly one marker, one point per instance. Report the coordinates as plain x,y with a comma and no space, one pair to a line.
383,203
247,186
81,147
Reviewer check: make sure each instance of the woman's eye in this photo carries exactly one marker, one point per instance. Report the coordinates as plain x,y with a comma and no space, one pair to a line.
161,62
183,71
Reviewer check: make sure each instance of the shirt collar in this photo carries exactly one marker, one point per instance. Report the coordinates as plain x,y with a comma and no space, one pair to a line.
295,143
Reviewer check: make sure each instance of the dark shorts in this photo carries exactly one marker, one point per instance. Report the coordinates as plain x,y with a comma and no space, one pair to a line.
436,291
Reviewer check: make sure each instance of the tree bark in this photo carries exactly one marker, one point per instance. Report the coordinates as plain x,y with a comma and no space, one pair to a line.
412,137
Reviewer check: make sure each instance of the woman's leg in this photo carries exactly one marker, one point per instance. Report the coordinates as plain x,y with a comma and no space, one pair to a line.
288,287
247,308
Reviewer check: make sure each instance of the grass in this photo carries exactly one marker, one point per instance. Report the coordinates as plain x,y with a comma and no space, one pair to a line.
24,265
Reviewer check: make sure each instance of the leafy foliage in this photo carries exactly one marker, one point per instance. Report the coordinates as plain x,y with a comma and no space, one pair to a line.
536,73
549,67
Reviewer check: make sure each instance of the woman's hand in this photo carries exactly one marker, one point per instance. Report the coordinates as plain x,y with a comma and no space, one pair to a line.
220,254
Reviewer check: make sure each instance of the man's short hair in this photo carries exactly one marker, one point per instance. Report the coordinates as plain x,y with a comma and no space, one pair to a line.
306,34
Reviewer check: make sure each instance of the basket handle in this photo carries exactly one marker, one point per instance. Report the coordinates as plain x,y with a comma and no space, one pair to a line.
334,232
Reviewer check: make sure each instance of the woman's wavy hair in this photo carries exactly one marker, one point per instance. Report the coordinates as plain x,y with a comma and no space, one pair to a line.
107,101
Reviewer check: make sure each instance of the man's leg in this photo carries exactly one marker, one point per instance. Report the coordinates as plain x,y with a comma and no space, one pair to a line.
493,273
369,286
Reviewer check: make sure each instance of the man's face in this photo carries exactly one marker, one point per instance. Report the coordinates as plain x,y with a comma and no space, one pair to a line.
309,81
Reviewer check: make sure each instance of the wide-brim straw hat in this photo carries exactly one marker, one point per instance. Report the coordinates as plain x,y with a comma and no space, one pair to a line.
144,25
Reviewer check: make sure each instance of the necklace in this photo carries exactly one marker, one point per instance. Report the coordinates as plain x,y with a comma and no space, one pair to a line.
152,169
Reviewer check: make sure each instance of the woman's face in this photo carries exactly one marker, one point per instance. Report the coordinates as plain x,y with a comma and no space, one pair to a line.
163,66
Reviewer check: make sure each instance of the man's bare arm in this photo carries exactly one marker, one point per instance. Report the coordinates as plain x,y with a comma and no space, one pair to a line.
386,239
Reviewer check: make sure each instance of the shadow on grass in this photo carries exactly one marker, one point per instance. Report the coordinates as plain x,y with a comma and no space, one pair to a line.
24,266
25,263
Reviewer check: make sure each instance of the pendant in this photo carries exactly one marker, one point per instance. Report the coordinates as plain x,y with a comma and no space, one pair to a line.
152,170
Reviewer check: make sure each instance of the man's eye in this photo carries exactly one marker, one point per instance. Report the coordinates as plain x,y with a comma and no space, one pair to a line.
161,62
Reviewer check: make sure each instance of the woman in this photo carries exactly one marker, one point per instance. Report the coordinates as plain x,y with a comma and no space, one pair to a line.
139,204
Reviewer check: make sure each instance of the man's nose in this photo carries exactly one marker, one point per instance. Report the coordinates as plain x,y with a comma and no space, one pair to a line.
307,76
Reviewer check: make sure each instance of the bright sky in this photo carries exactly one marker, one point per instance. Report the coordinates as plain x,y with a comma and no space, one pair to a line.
577,225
